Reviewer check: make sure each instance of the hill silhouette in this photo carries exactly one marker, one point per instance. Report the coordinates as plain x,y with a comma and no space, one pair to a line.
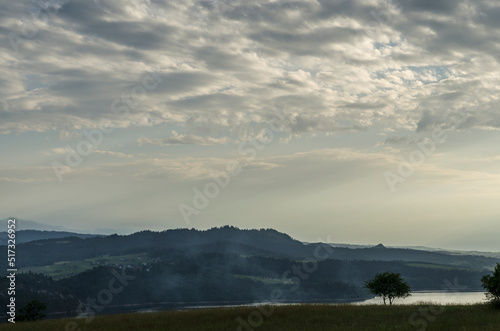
223,265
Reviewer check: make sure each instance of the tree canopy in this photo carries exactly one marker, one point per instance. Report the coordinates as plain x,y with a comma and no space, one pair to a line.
33,311
389,285
492,284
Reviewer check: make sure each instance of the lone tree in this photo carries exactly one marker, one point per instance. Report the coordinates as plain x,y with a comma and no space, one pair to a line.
389,285
492,285
32,311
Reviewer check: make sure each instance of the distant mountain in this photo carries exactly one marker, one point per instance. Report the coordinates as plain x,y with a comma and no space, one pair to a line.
423,248
382,253
109,231
31,225
343,245
24,236
451,251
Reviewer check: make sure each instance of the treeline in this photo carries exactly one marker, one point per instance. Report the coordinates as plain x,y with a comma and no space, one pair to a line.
207,275
30,286
212,277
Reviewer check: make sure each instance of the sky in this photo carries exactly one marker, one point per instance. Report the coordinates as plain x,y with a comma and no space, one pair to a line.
359,122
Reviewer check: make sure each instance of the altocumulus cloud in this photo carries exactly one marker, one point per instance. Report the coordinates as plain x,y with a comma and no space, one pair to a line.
334,65
177,138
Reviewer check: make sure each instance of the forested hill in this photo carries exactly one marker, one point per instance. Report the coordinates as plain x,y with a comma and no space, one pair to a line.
24,236
268,242
222,265
263,242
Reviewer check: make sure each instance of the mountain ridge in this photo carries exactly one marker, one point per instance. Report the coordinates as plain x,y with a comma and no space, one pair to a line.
269,240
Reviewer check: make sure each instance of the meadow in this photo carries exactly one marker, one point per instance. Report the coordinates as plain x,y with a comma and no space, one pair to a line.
64,269
285,318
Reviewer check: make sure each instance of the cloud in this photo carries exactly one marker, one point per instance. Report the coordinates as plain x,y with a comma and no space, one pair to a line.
27,174
396,140
64,151
182,139
113,154
335,65
24,180
57,151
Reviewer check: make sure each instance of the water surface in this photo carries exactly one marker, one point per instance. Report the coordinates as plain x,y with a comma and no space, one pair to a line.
435,297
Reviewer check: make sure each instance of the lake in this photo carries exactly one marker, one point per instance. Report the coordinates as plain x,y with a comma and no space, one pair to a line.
436,297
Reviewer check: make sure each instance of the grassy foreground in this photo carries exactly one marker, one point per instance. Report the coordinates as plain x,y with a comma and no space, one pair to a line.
300,317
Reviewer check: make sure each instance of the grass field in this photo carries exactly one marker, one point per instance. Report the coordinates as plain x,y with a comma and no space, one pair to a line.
437,266
289,318
64,269
263,279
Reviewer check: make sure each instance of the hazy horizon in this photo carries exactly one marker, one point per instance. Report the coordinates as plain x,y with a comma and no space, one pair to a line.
32,225
363,121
